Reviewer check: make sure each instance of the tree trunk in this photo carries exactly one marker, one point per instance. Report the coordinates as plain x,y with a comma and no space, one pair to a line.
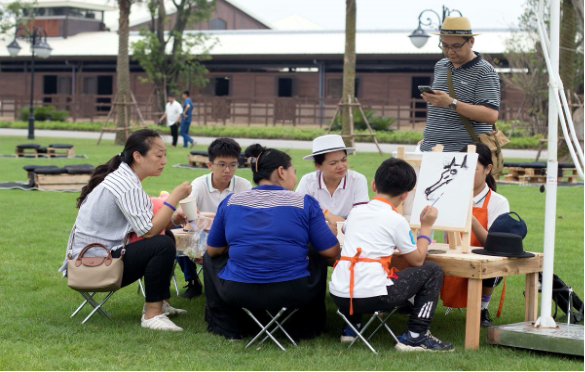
567,52
123,73
349,70
567,60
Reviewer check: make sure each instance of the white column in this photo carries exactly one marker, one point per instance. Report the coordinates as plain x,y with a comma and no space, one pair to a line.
545,320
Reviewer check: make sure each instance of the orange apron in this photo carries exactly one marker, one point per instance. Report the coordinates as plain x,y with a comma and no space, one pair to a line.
384,261
454,289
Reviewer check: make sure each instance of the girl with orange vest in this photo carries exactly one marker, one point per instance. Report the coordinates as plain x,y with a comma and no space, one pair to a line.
487,206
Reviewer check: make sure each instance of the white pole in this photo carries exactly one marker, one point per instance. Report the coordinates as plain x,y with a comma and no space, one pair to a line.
546,320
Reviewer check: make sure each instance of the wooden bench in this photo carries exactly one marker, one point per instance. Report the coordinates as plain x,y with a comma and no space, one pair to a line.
477,267
198,160
29,150
63,181
57,150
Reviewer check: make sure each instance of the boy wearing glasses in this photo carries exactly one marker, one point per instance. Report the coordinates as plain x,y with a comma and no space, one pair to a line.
210,190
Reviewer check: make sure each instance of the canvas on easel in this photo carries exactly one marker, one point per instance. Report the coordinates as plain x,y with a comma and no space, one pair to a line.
414,159
447,179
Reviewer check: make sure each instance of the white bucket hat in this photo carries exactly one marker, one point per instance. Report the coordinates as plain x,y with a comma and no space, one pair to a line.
328,143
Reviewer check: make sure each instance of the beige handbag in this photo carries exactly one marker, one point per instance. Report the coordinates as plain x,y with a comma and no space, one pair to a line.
494,140
95,274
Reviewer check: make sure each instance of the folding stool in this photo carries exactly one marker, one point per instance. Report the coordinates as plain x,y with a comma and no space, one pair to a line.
97,307
361,334
265,328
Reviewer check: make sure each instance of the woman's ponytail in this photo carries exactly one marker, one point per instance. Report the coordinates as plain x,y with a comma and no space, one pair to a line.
140,141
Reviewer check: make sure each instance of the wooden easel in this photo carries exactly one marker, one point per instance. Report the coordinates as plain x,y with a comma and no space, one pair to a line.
127,107
458,237
352,135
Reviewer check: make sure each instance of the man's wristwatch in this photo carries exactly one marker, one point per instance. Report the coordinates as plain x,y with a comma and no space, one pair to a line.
453,105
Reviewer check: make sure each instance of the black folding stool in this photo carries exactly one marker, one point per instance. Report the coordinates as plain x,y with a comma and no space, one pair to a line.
277,325
97,307
361,334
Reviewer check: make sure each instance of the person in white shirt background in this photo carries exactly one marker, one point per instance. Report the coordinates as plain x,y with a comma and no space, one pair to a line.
210,190
337,188
173,112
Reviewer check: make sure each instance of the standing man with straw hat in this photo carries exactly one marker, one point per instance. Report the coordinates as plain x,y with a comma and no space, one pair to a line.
474,91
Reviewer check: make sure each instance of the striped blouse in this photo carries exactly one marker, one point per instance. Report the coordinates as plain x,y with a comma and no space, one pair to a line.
476,83
115,207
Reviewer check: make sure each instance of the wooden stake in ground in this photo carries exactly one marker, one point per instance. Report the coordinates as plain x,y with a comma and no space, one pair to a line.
351,136
348,73
125,109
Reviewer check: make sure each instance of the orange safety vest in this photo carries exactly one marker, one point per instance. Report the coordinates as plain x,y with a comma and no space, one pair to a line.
384,261
454,289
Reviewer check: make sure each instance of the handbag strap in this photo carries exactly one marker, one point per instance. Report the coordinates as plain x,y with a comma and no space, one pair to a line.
91,245
464,119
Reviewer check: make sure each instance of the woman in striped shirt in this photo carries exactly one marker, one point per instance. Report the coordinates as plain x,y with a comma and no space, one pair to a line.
113,204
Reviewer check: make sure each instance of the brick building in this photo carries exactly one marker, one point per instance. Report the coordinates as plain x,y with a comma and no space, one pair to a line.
256,74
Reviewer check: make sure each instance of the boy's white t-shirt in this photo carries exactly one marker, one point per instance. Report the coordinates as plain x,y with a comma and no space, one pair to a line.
208,197
378,231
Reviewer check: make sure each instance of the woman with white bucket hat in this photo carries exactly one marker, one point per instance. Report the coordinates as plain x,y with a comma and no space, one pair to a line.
337,188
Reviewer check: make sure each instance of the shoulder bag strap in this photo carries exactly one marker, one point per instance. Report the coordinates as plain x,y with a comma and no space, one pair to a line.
70,250
464,119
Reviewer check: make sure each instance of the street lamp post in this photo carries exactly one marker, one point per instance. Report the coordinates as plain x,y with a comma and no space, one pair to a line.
37,38
419,37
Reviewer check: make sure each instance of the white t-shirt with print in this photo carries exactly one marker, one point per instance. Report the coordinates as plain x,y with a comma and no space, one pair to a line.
378,231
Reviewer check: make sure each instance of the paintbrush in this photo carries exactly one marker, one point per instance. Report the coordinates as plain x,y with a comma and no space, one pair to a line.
435,202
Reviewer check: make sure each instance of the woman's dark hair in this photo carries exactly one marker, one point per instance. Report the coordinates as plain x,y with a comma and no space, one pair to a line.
140,141
266,161
319,159
394,177
223,147
485,159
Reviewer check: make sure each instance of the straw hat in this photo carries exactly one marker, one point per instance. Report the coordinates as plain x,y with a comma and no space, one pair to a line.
456,26
328,143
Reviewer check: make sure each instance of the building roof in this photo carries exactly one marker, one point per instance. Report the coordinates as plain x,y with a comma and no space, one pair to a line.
296,22
276,43
104,5
139,13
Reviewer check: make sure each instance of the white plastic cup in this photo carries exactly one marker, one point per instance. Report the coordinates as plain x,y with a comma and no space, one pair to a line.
340,234
189,205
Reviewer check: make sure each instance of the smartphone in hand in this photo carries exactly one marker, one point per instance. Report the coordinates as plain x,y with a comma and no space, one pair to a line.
425,89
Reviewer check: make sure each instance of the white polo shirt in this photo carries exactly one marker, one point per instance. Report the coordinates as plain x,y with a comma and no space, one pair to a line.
208,197
497,206
378,231
352,191
173,111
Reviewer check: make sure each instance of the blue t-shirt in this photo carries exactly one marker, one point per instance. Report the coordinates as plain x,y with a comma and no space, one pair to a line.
190,111
268,229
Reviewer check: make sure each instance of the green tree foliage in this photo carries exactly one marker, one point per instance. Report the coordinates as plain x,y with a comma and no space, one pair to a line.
12,14
168,53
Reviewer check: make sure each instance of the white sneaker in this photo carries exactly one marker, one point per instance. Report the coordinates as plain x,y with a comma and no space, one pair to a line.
167,309
160,323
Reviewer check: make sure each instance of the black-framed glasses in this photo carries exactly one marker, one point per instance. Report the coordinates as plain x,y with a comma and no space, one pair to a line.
223,166
455,48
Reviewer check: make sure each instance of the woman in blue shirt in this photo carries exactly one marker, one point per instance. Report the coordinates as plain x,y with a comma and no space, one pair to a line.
258,254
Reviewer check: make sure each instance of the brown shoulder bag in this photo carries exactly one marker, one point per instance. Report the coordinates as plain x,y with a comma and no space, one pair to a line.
95,274
495,140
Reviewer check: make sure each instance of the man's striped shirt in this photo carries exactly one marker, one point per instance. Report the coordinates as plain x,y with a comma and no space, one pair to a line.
476,83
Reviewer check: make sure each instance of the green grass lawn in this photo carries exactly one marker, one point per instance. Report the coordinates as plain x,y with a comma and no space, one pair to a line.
35,302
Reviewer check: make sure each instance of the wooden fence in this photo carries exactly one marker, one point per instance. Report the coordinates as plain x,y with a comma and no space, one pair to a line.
236,110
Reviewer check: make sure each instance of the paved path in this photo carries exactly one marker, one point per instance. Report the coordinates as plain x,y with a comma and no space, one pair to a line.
282,144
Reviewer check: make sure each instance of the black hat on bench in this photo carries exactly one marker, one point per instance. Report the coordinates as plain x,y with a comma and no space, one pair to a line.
504,237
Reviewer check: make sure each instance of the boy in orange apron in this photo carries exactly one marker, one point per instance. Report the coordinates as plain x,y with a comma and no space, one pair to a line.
363,281
488,205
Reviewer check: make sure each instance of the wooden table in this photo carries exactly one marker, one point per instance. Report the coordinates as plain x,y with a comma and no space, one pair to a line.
476,267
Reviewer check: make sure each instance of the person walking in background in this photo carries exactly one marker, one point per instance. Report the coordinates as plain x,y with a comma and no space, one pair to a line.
173,111
186,119
476,86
